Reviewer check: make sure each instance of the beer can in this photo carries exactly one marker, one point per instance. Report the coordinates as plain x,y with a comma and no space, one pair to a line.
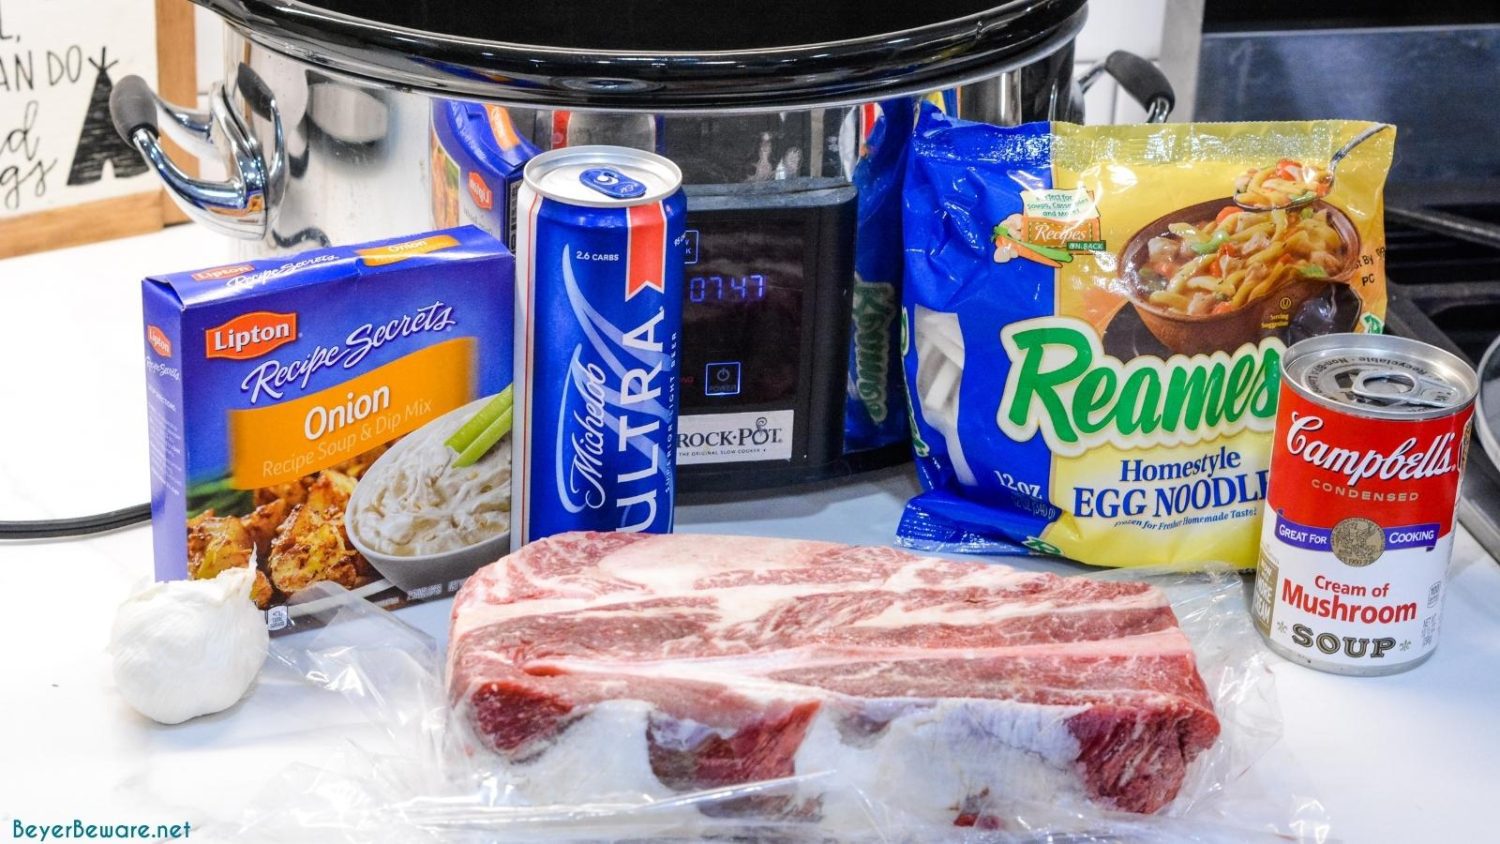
1366,460
598,337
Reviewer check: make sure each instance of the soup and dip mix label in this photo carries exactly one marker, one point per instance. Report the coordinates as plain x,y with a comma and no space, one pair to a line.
1094,321
288,396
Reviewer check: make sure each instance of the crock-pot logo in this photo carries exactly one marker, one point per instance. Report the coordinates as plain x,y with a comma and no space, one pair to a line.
158,341
222,272
762,434
250,335
480,192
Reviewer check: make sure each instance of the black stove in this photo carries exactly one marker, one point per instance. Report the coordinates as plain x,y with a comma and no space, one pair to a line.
1442,199
1443,266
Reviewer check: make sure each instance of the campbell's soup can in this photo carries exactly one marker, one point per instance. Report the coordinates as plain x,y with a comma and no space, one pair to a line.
599,252
1368,452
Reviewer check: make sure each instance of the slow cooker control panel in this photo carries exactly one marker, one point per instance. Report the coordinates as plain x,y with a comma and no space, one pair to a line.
767,281
743,316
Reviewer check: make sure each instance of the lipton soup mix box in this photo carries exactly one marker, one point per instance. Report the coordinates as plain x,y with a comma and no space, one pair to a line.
307,418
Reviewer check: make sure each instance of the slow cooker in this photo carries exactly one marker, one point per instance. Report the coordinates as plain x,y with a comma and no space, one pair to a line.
325,129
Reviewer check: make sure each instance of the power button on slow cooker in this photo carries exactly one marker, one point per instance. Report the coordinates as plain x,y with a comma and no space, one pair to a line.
722,378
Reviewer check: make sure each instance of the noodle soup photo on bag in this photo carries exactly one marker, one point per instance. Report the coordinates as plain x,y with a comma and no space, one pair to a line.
1095,317
342,415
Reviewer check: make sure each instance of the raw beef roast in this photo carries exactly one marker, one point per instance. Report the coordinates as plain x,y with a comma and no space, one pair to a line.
602,663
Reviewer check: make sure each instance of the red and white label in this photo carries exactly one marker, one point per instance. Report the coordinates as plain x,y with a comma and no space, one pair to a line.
646,258
158,340
250,335
218,273
1357,533
480,192
1327,466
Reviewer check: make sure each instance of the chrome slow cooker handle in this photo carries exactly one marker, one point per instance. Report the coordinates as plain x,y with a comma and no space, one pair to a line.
237,206
1141,79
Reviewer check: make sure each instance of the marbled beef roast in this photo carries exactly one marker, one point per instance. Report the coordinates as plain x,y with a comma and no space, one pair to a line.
660,664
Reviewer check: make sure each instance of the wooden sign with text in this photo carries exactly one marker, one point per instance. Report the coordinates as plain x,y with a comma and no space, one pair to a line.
66,177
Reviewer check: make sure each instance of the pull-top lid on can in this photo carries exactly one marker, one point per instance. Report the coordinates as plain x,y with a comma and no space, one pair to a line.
603,176
1380,376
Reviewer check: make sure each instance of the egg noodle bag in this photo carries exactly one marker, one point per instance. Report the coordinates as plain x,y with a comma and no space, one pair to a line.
1093,326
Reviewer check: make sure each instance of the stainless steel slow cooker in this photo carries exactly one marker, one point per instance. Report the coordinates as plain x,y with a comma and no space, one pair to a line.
323,126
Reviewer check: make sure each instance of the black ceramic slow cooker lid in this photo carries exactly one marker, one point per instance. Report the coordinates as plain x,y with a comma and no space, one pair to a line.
684,26
662,55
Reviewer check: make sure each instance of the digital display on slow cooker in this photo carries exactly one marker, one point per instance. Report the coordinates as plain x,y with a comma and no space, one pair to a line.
742,310
718,288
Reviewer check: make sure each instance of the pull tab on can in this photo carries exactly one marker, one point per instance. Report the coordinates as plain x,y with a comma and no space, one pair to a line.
1379,375
611,183
1394,388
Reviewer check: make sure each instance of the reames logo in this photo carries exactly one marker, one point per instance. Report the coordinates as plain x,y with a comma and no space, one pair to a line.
222,272
250,335
158,340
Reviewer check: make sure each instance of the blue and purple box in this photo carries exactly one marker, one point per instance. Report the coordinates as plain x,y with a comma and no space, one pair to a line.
278,388
477,155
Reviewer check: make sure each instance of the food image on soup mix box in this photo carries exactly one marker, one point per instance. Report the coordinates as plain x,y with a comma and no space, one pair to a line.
340,415
1095,318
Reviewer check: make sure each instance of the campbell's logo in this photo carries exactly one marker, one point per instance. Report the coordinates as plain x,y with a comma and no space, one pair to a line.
480,192
250,335
222,272
1408,461
158,341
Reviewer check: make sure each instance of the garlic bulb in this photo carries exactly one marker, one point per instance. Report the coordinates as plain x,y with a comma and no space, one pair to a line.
188,647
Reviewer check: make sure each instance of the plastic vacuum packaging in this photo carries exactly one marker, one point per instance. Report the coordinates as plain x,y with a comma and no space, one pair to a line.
1094,321
428,780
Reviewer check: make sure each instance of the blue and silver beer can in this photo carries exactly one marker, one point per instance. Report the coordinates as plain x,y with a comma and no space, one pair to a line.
599,251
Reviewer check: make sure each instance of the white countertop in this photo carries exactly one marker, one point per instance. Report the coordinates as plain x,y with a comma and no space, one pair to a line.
1402,758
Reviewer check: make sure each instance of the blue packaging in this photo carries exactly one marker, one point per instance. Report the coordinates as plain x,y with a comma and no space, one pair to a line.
276,387
1094,323
599,307
874,414
477,157
949,515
